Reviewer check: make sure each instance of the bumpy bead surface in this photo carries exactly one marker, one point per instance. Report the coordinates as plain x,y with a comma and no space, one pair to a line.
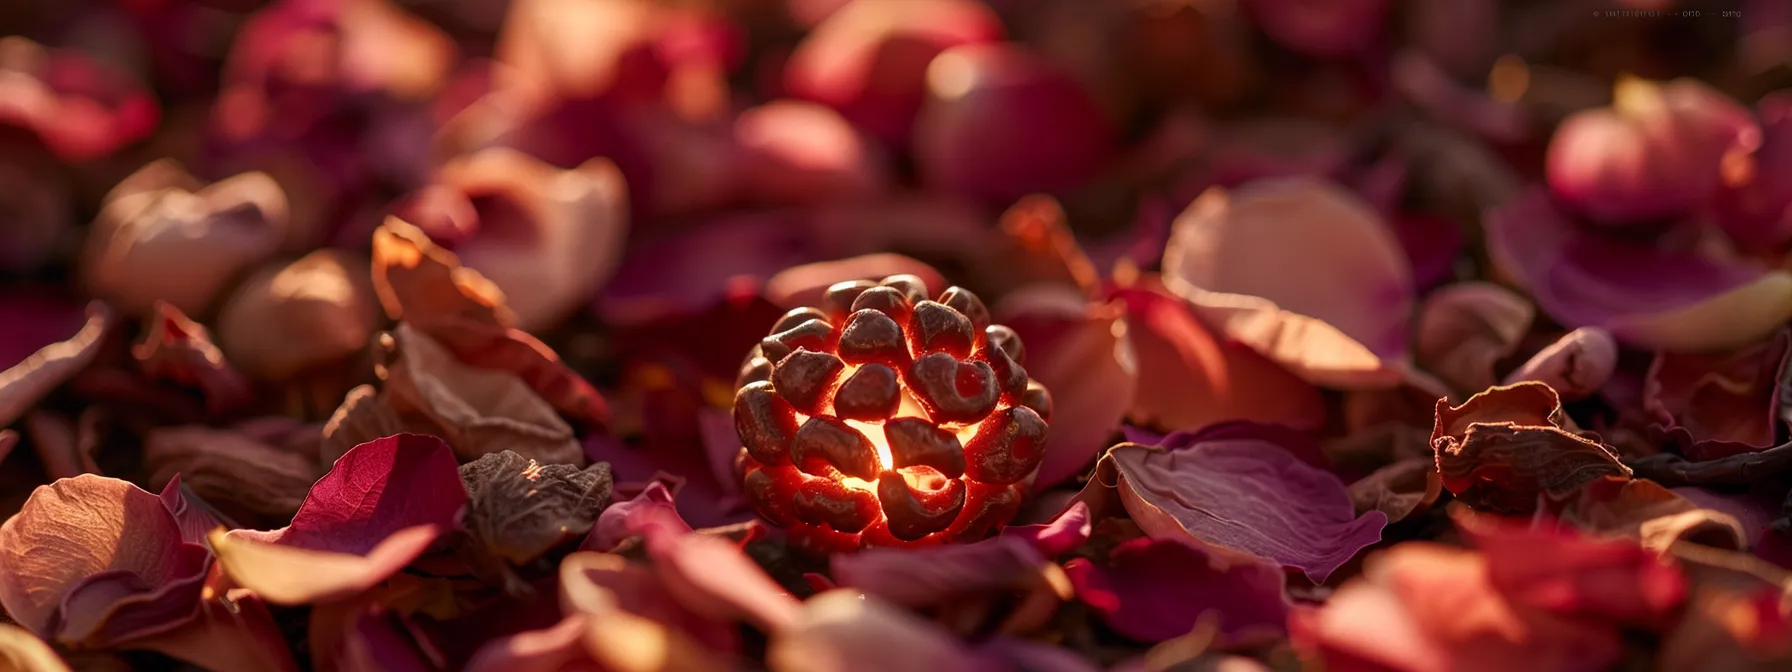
884,417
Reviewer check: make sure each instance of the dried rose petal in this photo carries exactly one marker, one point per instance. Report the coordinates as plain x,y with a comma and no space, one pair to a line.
519,509
291,317
379,508
227,466
163,235
1001,122
1423,606
1235,490
94,561
22,651
1654,515
1575,575
479,411
806,152
364,415
1502,449
1191,377
1646,298
840,629
1721,403
548,238
178,350
1084,351
1465,329
426,287
961,578
1152,590
869,59
1575,366
1399,489
1341,321
23,384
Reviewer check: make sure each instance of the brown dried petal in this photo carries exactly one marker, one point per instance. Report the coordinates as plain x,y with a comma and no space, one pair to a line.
519,509
224,465
66,449
1529,404
1654,515
30,380
419,281
1399,489
1465,329
1503,467
290,317
179,350
363,416
165,239
477,411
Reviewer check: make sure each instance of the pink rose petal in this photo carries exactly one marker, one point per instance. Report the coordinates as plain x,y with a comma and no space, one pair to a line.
1240,492
1340,321
1068,530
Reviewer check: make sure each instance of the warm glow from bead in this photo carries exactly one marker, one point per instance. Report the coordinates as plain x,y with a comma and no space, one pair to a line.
875,432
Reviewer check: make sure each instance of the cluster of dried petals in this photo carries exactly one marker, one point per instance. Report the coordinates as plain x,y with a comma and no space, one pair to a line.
292,317
885,417
164,236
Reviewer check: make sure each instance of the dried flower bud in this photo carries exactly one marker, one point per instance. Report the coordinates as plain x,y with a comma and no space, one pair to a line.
1656,152
162,235
294,316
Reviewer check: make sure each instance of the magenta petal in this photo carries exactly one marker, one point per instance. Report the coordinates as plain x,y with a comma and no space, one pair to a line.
1062,535
548,650
376,489
1647,298
381,641
715,578
653,507
1156,589
1239,491
938,575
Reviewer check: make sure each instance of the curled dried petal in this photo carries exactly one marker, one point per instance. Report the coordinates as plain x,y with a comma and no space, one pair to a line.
1465,329
479,411
226,466
1723,402
179,350
28,381
1575,366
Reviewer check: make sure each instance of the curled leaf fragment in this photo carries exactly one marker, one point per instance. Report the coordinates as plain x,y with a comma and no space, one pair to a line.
1503,448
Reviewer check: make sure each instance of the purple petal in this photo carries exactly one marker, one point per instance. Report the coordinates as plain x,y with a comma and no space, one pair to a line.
1646,298
937,575
652,508
1239,491
1062,535
1152,590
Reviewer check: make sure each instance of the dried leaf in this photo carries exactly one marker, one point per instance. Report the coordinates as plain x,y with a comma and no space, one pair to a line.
519,509
478,411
